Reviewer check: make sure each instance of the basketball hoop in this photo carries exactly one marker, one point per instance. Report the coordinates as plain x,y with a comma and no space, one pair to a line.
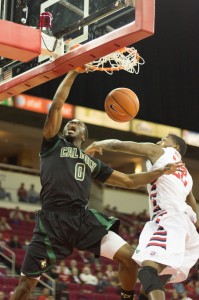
126,59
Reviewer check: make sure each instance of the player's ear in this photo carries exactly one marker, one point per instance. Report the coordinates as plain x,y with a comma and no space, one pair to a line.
177,147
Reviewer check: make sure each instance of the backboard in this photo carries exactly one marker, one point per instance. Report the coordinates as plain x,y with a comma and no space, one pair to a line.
85,20
100,27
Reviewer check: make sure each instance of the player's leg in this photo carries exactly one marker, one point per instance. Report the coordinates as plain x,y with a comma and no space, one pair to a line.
128,270
151,282
163,278
31,271
36,262
156,257
114,247
24,289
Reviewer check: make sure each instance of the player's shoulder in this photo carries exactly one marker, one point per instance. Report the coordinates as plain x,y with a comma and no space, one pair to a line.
168,155
169,150
48,145
172,151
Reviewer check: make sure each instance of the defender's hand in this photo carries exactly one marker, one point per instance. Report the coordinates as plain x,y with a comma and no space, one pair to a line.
172,168
91,150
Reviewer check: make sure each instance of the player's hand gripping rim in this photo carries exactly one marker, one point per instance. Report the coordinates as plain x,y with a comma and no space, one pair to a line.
83,69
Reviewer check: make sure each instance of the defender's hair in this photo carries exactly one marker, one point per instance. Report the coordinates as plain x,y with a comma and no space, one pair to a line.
180,142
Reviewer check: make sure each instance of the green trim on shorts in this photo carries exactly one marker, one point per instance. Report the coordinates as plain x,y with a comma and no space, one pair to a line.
50,252
108,223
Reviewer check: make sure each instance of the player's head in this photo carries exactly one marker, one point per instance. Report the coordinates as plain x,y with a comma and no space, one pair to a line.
172,140
74,130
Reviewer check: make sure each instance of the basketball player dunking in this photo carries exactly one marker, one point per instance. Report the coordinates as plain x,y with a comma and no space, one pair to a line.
65,222
169,242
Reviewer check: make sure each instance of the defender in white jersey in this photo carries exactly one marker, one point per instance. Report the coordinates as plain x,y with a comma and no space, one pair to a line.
169,242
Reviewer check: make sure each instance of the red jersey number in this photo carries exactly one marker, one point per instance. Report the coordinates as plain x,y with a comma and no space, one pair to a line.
182,175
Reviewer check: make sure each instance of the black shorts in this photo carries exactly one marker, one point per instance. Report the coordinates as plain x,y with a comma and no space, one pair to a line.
56,234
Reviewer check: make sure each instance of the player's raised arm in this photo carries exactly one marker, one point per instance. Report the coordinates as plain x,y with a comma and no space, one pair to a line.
132,181
54,117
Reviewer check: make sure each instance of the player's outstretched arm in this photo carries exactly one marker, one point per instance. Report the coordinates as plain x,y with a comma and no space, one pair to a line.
54,117
131,181
144,149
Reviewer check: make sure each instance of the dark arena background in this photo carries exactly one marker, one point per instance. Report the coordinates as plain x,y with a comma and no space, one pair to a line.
167,84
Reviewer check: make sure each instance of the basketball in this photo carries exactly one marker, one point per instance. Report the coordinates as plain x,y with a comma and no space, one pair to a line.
121,105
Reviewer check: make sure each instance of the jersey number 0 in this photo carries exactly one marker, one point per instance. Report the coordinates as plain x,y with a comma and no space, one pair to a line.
80,170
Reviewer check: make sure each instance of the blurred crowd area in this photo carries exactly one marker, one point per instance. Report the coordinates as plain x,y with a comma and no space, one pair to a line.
81,276
23,194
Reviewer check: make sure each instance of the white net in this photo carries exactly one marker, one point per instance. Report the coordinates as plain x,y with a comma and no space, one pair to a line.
126,59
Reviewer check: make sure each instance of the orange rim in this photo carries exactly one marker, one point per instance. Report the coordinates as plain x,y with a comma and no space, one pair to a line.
122,50
106,68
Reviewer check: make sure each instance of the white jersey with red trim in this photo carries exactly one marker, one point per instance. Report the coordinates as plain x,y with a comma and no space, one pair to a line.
170,238
169,192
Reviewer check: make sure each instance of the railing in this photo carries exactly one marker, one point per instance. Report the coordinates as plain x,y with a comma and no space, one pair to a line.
19,169
11,259
52,286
